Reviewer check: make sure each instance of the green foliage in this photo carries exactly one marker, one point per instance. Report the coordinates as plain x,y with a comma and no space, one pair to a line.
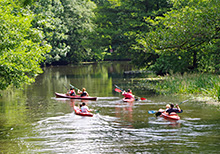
209,57
171,62
66,24
120,22
192,26
48,18
25,2
21,47
202,84
78,19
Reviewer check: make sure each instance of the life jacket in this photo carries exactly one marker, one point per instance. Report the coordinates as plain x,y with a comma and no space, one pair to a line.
170,110
72,93
84,94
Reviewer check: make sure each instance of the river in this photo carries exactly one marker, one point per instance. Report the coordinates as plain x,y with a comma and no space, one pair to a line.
33,120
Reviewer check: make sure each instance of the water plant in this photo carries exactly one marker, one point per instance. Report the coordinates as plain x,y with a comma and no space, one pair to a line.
194,83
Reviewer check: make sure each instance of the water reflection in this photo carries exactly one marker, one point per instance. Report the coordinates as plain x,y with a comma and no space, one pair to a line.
104,134
124,112
165,122
34,121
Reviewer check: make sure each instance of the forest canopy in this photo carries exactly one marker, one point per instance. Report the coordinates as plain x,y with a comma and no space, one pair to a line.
162,36
187,37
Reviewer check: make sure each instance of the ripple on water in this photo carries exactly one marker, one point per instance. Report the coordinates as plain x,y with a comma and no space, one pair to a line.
106,134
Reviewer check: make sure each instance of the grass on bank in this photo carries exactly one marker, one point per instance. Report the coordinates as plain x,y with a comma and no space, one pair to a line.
205,84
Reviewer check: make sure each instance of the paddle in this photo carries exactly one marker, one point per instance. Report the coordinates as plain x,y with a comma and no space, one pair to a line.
118,89
74,87
142,98
183,102
96,111
66,87
153,111
93,111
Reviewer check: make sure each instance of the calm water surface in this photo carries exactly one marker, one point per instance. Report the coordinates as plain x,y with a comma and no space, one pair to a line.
34,121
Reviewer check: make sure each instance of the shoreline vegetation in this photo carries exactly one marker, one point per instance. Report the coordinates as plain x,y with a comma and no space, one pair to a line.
198,86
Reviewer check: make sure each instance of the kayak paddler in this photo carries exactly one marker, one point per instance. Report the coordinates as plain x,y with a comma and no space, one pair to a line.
172,109
83,92
71,92
128,94
162,110
85,108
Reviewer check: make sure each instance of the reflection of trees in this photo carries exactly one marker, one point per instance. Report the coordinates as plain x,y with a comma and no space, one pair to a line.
35,100
14,119
13,109
21,108
96,78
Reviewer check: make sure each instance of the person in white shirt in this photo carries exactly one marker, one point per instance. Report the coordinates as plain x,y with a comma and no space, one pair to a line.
84,108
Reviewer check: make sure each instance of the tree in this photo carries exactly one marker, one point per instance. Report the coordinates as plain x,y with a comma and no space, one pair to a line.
21,46
78,19
188,32
120,22
49,16
66,24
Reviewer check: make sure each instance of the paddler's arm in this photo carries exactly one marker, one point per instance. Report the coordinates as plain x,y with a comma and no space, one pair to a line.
90,110
79,92
161,110
177,106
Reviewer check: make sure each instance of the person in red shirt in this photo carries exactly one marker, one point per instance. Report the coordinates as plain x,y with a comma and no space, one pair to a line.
71,92
128,94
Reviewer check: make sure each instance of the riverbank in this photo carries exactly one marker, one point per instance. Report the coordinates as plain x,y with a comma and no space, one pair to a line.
200,87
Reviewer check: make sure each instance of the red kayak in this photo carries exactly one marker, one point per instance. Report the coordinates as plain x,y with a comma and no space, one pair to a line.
75,97
172,116
128,95
128,99
78,112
